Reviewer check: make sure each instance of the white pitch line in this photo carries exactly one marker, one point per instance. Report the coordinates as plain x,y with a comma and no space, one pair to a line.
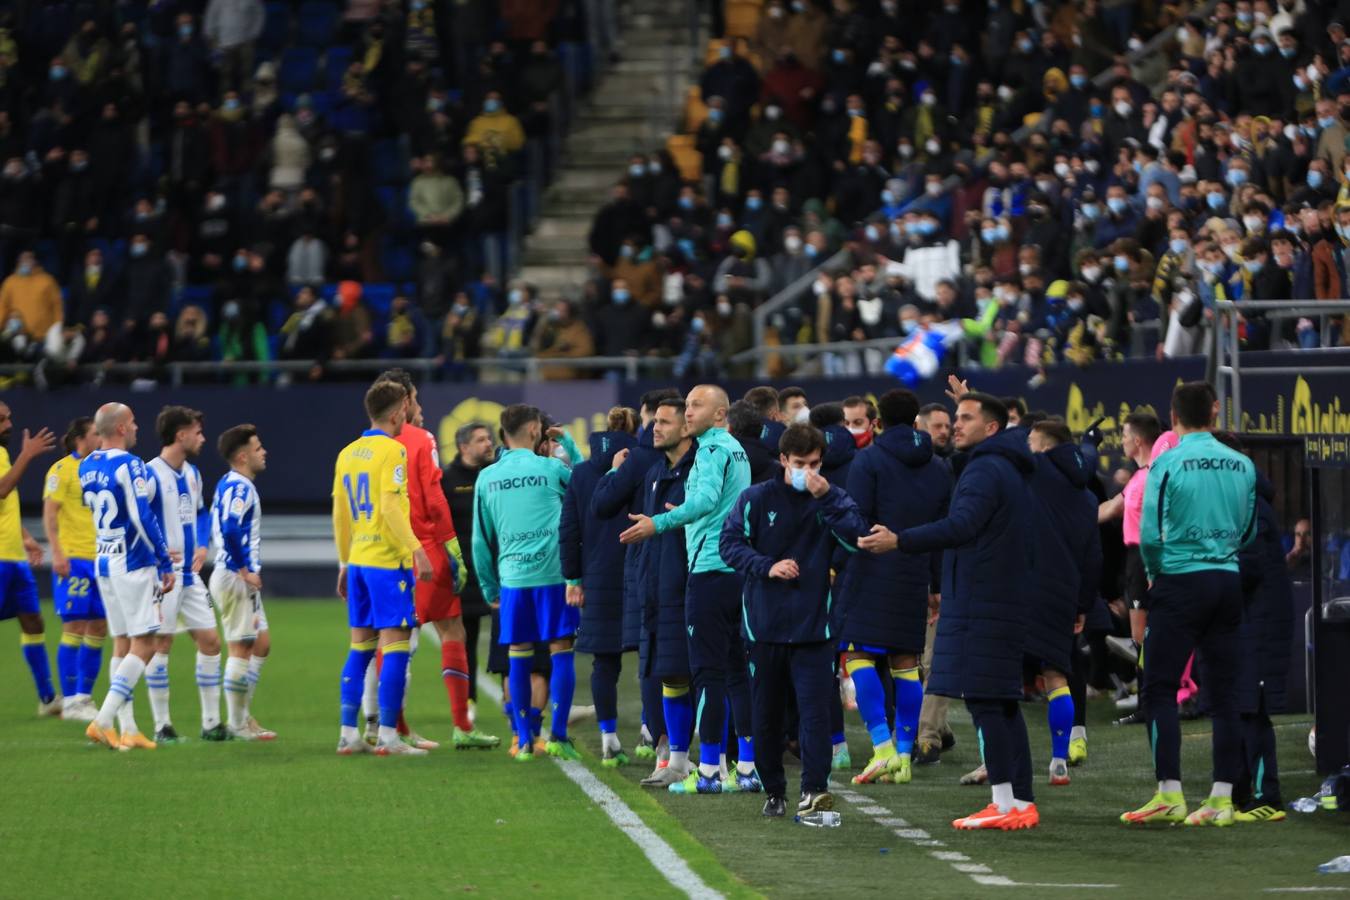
663,857
1306,890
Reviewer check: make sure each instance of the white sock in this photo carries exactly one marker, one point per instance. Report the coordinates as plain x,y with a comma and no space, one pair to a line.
208,689
157,686
609,741
708,770
1169,787
388,735
646,734
1222,789
1078,733
126,714
255,664
722,765
370,697
236,691
350,734
1020,805
679,760
745,768
1003,796
120,689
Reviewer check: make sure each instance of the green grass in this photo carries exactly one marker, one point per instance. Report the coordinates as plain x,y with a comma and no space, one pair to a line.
292,819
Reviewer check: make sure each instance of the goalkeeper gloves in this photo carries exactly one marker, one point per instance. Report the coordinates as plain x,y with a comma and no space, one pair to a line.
457,570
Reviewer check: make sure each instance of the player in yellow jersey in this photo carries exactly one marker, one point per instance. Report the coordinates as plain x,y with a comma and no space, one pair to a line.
70,534
375,544
19,553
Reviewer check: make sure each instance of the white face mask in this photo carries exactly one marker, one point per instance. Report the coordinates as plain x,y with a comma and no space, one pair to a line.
792,243
1092,273
803,416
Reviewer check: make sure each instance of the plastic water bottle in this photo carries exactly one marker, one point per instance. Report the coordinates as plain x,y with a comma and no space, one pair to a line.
1305,805
1338,866
823,819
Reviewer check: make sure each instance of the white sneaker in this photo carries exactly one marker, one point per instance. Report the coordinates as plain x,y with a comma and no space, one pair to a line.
580,714
52,707
352,748
1128,704
79,711
664,776
259,733
416,740
397,748
240,734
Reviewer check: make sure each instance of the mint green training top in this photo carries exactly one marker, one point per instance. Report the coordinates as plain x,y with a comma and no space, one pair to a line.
1199,508
517,505
721,470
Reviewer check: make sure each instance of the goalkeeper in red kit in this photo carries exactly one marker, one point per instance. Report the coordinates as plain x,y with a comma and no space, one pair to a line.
437,600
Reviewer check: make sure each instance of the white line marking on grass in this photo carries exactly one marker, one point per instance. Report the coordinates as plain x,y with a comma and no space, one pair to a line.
663,857
1306,890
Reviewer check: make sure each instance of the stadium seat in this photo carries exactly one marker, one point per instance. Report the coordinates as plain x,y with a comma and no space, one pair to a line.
335,64
276,27
316,22
397,259
202,295
299,67
742,18
394,202
388,163
379,297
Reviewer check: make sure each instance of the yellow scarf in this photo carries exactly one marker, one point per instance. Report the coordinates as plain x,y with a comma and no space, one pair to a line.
857,136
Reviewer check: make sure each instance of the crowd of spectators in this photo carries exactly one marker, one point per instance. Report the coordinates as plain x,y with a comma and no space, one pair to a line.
1029,182
1022,180
192,180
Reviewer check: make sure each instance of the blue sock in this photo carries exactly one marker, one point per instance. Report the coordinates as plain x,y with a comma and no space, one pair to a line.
745,749
871,699
393,682
35,654
518,676
509,710
536,716
1060,716
91,663
354,681
908,703
562,684
68,663
679,713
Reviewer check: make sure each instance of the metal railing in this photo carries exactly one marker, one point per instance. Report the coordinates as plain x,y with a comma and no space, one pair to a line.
532,368
1227,346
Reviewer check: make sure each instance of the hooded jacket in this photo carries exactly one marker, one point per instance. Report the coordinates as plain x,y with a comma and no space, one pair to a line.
1068,554
840,449
773,521
1267,629
988,558
623,494
899,483
591,553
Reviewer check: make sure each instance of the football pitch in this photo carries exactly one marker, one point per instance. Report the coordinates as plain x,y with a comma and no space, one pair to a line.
291,819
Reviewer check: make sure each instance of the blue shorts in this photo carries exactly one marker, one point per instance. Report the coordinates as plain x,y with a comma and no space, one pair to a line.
533,614
18,590
873,649
712,619
380,598
76,597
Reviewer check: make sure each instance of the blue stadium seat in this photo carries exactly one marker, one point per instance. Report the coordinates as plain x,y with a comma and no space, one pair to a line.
276,26
388,163
336,61
379,297
394,201
298,70
200,295
397,260
316,22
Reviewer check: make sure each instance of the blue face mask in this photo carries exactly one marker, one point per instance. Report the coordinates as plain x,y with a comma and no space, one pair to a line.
1253,265
839,56
723,220
957,61
798,477
810,251
1078,81
1325,121
989,235
57,72
185,31
696,326
1237,177
724,53
1215,199
855,113
1122,263
240,263
231,104
620,297
753,203
926,227
626,251
1090,211
1096,110
686,203
908,325
491,106
637,170
887,197
139,249
1262,49
1178,246
714,115
1003,232
1314,179
1288,52
872,233
1116,204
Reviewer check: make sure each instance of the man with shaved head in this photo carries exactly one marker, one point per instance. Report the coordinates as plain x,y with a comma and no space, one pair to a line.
132,563
721,470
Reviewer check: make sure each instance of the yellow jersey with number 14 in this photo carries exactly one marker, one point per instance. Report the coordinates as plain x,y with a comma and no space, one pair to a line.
370,502
74,520
11,526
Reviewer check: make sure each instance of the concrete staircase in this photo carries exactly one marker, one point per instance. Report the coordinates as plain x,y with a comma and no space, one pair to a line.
629,111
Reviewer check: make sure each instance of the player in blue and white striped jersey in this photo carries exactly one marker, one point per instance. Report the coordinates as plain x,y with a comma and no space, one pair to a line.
132,562
236,580
176,495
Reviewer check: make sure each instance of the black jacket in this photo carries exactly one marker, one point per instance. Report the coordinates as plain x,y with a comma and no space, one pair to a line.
1267,629
458,483
771,522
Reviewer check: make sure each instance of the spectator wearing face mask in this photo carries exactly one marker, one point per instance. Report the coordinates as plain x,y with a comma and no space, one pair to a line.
742,276
91,287
636,266
30,306
1265,280
495,130
733,78
1119,219
147,281
186,71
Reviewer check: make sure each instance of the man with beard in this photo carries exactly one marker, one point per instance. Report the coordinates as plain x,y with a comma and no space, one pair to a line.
936,421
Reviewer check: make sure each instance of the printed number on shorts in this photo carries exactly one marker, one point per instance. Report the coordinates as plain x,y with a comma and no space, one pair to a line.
359,499
77,587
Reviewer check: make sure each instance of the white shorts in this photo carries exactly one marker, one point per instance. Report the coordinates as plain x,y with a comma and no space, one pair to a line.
188,608
241,608
132,602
